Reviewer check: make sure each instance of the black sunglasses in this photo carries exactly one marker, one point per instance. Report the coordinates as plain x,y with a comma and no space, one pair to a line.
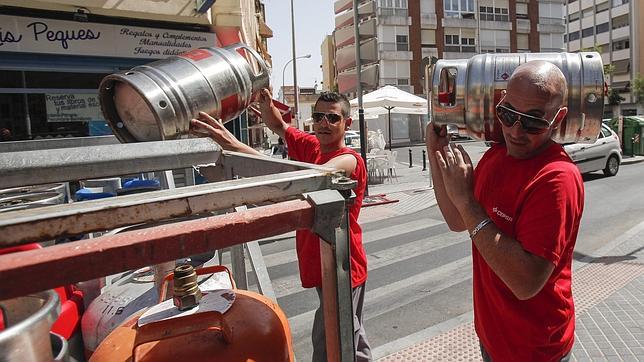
531,124
330,117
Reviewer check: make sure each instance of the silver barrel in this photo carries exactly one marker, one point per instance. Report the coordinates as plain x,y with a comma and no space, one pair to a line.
156,101
27,321
465,92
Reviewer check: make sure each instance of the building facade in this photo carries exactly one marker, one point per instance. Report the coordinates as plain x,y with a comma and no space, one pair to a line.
54,53
395,36
613,27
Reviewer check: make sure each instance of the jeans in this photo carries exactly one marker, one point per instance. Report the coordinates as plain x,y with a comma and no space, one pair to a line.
360,342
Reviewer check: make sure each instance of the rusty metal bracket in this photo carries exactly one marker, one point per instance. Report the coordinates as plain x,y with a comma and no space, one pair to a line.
331,223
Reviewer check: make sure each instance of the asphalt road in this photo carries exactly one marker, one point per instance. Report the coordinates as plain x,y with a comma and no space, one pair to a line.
420,272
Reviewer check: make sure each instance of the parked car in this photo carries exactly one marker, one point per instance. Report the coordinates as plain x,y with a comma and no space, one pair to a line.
352,139
605,154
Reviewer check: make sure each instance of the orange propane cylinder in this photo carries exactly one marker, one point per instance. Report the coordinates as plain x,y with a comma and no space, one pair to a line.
254,328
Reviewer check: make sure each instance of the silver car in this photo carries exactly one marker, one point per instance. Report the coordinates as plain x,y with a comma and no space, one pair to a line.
605,154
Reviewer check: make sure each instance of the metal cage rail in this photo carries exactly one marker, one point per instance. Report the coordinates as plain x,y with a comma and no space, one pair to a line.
288,195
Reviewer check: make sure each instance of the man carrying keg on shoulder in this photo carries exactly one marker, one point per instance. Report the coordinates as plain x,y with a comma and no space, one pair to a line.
521,206
331,120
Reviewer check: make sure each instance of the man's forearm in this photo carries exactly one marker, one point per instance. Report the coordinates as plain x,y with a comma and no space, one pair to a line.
522,272
273,120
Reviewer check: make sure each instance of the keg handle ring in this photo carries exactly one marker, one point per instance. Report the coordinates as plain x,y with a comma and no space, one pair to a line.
177,327
260,61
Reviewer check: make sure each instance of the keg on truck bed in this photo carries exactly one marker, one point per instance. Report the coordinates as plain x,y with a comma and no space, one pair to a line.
156,101
464,93
24,329
213,325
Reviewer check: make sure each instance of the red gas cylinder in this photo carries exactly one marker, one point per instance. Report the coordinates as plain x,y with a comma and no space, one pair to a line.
252,328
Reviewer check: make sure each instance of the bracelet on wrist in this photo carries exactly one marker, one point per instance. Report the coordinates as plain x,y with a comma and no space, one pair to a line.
480,226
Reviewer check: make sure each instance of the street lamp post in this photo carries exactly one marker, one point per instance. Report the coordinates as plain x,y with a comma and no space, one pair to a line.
284,69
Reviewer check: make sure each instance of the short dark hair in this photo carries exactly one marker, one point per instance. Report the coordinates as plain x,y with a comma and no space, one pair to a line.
335,97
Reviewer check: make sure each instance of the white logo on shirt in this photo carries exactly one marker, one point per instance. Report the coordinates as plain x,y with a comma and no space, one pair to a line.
501,214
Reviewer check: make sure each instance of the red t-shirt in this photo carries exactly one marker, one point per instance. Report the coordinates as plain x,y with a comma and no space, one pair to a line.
539,202
306,148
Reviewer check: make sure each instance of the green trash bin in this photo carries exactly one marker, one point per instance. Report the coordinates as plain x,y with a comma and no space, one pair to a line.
633,134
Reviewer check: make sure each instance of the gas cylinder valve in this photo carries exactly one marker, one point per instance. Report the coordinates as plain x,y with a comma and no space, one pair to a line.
186,291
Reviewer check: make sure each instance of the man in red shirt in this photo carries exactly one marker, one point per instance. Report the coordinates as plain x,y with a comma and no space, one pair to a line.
330,120
522,207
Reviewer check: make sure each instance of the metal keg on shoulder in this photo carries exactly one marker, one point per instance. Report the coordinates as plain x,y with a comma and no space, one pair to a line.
156,101
464,93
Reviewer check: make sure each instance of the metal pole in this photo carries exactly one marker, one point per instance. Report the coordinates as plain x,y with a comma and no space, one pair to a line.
410,158
26,101
361,122
284,69
424,160
389,123
296,91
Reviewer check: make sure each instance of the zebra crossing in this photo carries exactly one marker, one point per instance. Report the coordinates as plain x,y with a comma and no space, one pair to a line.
416,269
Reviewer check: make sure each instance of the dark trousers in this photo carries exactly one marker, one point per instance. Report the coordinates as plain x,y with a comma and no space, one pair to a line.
487,358
360,342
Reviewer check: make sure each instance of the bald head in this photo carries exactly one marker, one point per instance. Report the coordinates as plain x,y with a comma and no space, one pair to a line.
544,79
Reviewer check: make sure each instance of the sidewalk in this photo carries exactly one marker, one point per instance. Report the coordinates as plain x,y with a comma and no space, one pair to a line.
608,289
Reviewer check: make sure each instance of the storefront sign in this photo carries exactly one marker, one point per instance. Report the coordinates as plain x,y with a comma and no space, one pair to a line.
72,107
32,35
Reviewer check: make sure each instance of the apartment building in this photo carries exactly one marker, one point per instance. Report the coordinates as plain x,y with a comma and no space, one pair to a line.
54,54
395,35
614,26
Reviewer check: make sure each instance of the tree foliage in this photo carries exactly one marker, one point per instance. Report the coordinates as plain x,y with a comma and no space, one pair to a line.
638,89
614,98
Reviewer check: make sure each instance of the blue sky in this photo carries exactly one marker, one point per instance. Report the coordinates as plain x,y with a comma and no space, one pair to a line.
314,19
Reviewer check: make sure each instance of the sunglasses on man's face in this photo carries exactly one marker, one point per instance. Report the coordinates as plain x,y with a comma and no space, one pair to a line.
531,124
330,117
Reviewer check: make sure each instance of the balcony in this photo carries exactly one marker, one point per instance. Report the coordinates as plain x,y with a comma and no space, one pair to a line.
623,32
459,23
428,20
391,16
523,26
621,10
342,5
603,38
364,11
621,54
390,51
429,52
345,36
551,28
458,55
348,81
345,58
496,25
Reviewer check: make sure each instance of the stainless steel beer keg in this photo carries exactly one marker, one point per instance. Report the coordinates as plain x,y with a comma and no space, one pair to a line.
27,321
465,92
156,101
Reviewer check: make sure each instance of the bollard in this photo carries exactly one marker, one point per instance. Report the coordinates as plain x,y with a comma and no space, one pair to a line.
410,158
424,160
